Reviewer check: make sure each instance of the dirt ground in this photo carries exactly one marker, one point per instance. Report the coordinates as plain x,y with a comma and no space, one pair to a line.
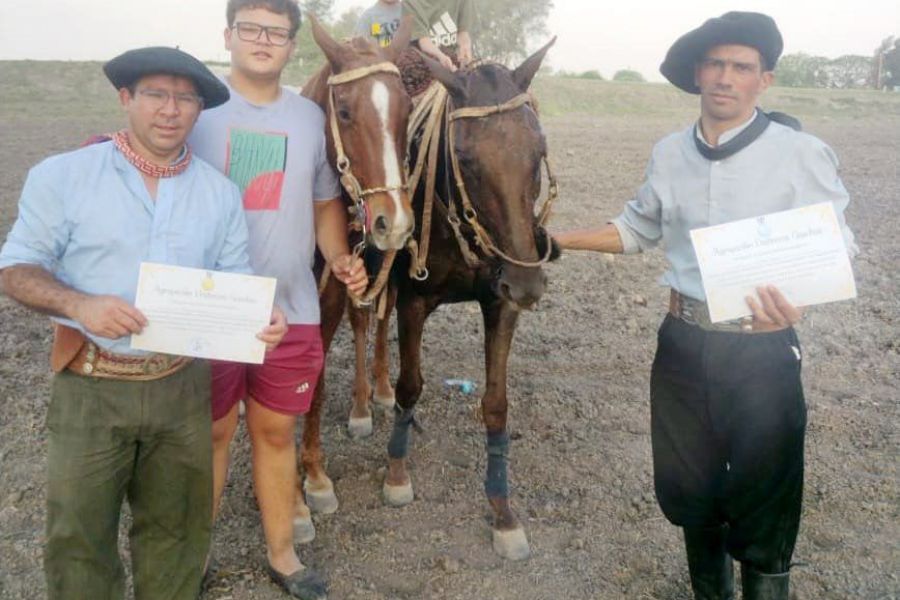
578,386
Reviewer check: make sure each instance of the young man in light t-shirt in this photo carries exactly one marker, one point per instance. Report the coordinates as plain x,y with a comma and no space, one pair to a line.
271,143
380,22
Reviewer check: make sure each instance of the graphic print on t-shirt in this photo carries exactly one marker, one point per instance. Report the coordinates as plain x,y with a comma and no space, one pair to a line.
444,31
256,162
383,33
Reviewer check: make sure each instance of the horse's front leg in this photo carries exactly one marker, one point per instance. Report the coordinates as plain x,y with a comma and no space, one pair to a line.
359,425
509,538
316,486
411,315
381,363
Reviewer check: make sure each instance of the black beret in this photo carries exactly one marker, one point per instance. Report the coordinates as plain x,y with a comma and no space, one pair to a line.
129,67
741,28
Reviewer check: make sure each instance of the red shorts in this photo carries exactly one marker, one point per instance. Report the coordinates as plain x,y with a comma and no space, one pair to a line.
284,383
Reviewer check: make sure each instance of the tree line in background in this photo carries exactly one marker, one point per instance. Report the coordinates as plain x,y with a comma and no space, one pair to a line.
508,28
845,72
514,26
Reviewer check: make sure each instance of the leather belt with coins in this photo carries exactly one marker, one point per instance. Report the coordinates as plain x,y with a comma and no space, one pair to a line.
91,361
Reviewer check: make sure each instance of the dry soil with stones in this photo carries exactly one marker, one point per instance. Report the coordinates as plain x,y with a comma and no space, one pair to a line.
579,414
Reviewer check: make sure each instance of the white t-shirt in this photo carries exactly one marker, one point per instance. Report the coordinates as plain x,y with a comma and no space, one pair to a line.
276,155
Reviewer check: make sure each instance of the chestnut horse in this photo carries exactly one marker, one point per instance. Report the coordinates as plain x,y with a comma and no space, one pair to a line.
486,245
367,110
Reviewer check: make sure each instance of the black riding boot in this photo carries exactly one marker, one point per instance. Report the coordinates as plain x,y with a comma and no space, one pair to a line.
763,586
712,574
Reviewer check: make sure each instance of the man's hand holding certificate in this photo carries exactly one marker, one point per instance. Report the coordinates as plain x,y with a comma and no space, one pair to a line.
800,252
206,314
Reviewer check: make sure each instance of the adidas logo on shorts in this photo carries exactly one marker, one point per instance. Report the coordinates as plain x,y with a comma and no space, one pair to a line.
303,387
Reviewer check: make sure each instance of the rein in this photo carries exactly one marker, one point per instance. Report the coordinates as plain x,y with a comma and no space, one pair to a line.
351,184
433,111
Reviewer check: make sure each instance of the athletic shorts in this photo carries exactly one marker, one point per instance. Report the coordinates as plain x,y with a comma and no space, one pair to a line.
284,383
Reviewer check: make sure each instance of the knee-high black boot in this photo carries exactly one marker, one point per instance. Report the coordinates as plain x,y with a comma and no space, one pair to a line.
763,586
712,574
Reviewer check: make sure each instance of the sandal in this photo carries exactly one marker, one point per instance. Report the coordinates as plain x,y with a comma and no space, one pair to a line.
303,583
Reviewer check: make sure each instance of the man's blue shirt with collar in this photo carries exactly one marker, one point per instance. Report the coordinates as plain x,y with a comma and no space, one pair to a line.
87,218
682,190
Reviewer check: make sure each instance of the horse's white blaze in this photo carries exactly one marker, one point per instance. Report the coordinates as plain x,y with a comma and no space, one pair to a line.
381,98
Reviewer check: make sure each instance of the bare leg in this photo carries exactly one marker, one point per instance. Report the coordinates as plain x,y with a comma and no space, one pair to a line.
275,481
222,433
499,327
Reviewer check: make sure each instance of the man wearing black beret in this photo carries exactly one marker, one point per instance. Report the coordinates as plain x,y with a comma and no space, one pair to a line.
728,415
125,423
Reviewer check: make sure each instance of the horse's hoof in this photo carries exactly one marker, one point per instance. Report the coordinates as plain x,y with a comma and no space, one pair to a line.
384,401
397,495
511,544
359,427
304,530
321,501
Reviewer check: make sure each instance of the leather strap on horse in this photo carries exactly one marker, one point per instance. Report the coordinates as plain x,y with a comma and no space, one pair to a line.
351,184
376,290
429,111
342,164
482,237
478,112
432,113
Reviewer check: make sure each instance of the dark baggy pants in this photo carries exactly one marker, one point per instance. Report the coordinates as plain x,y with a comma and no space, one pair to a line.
728,420
149,442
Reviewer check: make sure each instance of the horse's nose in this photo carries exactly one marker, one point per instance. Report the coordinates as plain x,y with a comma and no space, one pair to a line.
380,227
390,232
522,286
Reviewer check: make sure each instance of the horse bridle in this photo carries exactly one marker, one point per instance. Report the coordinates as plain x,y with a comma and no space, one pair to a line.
350,183
482,238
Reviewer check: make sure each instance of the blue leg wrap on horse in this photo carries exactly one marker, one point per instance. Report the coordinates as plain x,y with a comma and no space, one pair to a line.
398,446
495,482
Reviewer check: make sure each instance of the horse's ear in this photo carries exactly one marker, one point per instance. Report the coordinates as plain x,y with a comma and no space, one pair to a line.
454,82
334,51
400,42
525,72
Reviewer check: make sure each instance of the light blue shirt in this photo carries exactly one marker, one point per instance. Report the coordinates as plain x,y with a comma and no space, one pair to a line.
87,218
682,190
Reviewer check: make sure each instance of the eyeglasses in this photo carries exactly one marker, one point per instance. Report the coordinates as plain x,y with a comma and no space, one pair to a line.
157,99
252,32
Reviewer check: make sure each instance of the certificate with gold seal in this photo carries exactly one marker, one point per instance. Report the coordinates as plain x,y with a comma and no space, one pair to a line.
800,251
204,314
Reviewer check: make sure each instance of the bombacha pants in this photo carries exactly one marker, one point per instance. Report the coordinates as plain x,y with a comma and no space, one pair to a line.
728,421
150,443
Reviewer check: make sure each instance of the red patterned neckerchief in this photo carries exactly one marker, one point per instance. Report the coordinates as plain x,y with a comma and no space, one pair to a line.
120,139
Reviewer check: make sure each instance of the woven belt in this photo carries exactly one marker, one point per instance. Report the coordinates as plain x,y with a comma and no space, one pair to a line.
91,361
696,313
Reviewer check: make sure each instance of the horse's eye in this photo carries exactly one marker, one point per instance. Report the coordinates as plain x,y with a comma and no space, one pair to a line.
343,114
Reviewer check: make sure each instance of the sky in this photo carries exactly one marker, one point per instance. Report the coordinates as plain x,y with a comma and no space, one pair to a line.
593,35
